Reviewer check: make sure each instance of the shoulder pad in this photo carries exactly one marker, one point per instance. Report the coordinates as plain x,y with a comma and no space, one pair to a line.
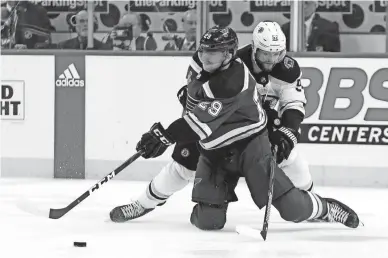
287,70
228,83
244,51
245,54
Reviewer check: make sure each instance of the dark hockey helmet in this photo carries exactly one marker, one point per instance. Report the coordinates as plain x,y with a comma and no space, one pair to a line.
219,38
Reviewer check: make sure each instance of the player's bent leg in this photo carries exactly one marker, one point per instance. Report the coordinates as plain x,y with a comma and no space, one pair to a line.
292,203
298,205
172,178
213,190
209,216
297,169
256,162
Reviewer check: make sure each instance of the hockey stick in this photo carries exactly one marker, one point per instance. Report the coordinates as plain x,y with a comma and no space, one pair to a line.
264,230
58,213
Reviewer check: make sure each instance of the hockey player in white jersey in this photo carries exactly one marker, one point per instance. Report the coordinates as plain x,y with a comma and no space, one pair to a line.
267,61
278,76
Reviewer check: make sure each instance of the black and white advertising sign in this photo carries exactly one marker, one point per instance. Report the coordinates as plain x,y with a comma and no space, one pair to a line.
345,104
12,100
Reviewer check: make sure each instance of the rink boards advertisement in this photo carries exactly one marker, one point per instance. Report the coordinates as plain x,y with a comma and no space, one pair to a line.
12,100
347,101
27,115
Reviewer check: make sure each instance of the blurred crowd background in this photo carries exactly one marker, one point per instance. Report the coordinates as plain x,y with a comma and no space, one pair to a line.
329,26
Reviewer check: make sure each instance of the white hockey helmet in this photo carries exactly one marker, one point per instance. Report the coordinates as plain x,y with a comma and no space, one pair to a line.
268,45
268,36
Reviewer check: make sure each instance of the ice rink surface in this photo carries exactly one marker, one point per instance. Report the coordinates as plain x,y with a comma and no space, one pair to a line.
26,231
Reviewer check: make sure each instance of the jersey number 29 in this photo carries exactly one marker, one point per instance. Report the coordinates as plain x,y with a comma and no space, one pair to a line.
213,108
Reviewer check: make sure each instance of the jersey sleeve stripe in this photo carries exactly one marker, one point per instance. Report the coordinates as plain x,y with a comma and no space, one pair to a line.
193,99
292,104
207,90
195,66
201,129
193,103
189,108
298,105
190,105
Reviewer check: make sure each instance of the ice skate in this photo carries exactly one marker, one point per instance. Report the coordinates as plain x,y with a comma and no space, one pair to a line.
339,212
128,212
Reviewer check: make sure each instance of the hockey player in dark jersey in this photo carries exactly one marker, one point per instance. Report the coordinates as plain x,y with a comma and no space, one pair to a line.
230,125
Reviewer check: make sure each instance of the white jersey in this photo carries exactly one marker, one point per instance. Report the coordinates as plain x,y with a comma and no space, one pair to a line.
281,86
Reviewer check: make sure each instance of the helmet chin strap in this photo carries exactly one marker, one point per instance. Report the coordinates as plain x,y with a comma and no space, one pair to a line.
223,65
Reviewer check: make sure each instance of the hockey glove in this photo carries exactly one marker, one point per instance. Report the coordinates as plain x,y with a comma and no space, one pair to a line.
273,119
155,142
286,139
182,96
273,116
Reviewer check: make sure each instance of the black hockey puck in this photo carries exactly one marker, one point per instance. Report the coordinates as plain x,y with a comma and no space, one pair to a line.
80,244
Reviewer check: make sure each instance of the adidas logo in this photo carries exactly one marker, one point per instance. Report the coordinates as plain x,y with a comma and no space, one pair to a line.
70,78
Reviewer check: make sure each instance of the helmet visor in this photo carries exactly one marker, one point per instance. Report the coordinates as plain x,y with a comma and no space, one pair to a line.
267,59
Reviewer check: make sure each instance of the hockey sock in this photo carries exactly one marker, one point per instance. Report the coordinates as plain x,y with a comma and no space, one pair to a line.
151,197
319,208
172,178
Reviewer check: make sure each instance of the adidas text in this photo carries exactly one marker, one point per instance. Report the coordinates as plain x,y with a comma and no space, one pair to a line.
70,78
69,83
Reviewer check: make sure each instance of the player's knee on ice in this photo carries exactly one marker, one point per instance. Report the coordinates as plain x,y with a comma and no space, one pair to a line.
209,216
295,205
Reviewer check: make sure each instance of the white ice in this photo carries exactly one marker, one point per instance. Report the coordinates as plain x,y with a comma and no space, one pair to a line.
27,232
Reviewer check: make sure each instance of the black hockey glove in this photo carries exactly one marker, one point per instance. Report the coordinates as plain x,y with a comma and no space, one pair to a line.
286,139
155,142
182,96
273,116
273,119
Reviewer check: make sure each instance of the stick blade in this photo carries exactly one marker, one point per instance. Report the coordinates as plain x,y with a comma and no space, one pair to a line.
57,213
263,234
